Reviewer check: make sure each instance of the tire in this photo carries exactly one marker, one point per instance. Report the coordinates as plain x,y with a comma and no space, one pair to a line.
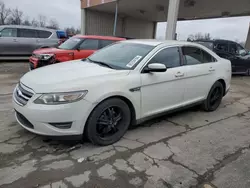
209,104
94,129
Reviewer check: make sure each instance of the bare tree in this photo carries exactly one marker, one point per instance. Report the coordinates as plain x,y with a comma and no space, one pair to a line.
26,22
34,23
42,20
199,36
4,13
16,17
53,24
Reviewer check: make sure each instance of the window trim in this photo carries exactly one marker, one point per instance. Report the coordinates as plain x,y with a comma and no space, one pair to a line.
185,61
11,28
163,48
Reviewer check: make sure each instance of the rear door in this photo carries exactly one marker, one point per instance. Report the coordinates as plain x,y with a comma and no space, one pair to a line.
86,48
43,40
8,42
27,39
200,71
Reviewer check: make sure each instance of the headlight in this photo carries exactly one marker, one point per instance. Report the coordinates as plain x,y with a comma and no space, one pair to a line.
60,98
45,56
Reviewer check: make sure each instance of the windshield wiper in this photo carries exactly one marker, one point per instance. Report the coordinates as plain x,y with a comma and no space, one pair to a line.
100,63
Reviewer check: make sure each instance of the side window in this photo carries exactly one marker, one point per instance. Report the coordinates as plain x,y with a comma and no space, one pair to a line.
207,58
222,47
104,43
27,33
8,32
43,34
169,57
192,55
232,48
89,44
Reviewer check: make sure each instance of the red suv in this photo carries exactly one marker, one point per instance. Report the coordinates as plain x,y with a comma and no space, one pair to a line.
77,47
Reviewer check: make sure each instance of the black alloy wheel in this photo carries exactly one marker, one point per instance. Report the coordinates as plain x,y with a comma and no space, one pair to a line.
214,97
108,122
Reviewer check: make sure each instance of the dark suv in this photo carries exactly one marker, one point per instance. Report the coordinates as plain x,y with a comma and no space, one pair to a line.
239,57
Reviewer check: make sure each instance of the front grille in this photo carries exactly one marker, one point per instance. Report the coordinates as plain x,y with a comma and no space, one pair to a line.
23,120
21,95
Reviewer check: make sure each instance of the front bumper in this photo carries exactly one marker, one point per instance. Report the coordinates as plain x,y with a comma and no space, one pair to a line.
41,119
36,63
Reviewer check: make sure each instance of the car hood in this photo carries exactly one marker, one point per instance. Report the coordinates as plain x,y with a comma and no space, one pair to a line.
50,51
69,76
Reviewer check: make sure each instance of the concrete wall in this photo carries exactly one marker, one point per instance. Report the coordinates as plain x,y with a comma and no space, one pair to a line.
100,23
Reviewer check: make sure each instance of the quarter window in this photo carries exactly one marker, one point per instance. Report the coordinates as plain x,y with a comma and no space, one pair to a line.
89,44
8,32
169,57
27,33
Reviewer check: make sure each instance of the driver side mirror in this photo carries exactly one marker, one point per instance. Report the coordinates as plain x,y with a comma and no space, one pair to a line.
155,67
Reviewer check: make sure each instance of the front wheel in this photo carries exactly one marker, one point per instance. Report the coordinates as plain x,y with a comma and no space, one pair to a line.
214,97
108,122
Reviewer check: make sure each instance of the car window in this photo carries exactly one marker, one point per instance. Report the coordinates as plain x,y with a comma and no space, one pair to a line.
70,44
222,47
89,44
240,50
232,48
27,33
122,55
169,57
8,32
207,58
44,34
104,43
192,55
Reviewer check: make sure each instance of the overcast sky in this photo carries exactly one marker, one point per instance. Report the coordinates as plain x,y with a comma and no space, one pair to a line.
67,13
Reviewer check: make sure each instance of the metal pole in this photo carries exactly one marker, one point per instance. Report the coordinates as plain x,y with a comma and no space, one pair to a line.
173,10
116,16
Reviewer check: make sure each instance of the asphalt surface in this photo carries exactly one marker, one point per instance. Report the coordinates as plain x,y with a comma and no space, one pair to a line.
191,148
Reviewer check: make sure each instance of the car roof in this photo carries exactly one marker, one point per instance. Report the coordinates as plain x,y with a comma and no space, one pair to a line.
99,37
155,42
28,27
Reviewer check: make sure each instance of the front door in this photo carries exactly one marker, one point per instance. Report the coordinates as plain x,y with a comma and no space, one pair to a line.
240,62
200,71
163,91
8,42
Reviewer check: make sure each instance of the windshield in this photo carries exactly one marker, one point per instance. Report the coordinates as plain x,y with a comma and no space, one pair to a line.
70,44
122,55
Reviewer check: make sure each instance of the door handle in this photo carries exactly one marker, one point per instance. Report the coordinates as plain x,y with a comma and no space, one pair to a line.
211,69
179,74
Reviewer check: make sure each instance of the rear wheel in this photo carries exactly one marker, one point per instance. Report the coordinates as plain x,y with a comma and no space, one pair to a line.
214,97
108,122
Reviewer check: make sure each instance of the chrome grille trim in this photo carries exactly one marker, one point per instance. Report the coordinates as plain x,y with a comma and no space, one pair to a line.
21,95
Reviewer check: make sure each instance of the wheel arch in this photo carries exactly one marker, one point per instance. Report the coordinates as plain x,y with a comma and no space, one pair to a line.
222,81
123,98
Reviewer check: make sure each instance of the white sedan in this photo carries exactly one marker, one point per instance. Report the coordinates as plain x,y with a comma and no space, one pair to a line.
121,85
